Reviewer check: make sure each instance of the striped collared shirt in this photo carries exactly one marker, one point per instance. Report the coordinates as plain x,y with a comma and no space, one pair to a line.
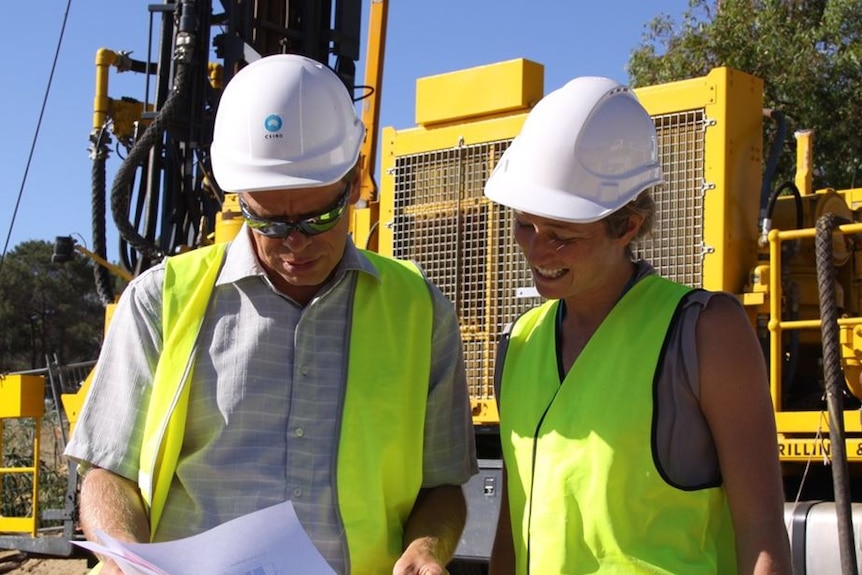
265,399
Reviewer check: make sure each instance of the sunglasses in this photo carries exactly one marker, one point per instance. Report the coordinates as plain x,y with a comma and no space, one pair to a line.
310,226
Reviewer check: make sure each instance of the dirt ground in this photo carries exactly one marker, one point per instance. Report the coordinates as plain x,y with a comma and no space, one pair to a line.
15,562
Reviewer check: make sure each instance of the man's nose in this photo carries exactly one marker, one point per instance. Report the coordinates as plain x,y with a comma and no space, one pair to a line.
296,241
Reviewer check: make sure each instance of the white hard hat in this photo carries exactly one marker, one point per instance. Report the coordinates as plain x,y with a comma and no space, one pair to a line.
584,151
284,121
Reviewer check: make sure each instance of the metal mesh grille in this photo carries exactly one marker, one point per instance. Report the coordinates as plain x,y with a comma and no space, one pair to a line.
676,245
465,243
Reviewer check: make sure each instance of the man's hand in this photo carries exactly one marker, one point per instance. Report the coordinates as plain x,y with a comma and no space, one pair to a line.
432,531
110,568
420,558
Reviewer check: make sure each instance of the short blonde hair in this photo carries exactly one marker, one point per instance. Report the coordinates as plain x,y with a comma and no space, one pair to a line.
617,223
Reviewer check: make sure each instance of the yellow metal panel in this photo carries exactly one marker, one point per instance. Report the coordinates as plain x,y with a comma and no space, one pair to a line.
18,525
853,197
387,191
514,85
109,315
678,96
73,402
424,138
22,396
484,411
378,15
732,103
432,208
363,228
734,167
399,143
797,422
228,220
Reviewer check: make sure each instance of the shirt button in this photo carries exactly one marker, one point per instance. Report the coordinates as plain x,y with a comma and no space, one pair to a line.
297,492
304,371
299,432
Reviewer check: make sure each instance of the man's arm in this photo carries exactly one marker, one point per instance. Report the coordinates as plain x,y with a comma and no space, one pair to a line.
503,551
113,505
432,531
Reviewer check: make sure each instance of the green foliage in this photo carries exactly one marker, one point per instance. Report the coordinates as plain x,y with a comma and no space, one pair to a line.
47,308
808,52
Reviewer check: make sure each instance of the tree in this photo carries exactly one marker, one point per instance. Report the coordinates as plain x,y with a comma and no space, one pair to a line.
808,52
47,308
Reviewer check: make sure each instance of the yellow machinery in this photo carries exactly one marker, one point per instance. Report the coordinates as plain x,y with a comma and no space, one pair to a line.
23,397
714,230
709,233
37,526
432,208
710,133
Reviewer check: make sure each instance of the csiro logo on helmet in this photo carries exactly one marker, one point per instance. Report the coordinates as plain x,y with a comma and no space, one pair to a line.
273,124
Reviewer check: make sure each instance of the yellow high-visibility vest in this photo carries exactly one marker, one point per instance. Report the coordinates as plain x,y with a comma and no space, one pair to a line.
586,494
379,462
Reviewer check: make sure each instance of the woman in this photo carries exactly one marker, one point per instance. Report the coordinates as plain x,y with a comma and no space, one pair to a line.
637,427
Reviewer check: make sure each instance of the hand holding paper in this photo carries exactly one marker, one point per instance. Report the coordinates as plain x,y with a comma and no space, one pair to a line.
267,542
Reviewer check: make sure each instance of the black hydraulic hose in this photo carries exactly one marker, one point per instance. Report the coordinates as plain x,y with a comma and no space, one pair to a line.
797,197
774,154
104,282
184,53
834,381
121,189
142,67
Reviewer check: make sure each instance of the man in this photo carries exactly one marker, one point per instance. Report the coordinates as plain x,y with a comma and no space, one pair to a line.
287,364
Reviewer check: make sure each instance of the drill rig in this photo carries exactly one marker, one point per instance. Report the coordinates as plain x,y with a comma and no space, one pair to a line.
162,199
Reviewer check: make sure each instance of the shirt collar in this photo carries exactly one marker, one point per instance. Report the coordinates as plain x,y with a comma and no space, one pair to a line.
241,261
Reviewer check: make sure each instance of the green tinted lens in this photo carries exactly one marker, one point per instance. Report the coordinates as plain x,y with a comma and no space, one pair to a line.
276,228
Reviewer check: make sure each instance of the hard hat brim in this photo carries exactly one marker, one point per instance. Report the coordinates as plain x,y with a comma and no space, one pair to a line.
554,204
246,175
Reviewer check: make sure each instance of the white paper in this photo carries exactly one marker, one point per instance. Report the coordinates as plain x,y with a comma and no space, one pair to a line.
267,542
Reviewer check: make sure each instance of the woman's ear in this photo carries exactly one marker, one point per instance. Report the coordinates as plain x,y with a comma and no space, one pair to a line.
633,226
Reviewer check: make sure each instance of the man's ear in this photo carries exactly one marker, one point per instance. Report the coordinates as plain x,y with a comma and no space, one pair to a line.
356,181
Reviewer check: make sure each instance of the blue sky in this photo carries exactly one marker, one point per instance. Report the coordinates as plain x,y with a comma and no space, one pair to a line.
569,37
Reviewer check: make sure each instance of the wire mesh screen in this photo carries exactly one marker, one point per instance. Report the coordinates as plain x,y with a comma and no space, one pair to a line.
676,245
464,243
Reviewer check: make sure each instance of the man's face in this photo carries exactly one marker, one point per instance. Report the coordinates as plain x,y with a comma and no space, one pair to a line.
299,264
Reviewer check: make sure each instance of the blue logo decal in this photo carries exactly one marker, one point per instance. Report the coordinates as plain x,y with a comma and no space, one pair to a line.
273,123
